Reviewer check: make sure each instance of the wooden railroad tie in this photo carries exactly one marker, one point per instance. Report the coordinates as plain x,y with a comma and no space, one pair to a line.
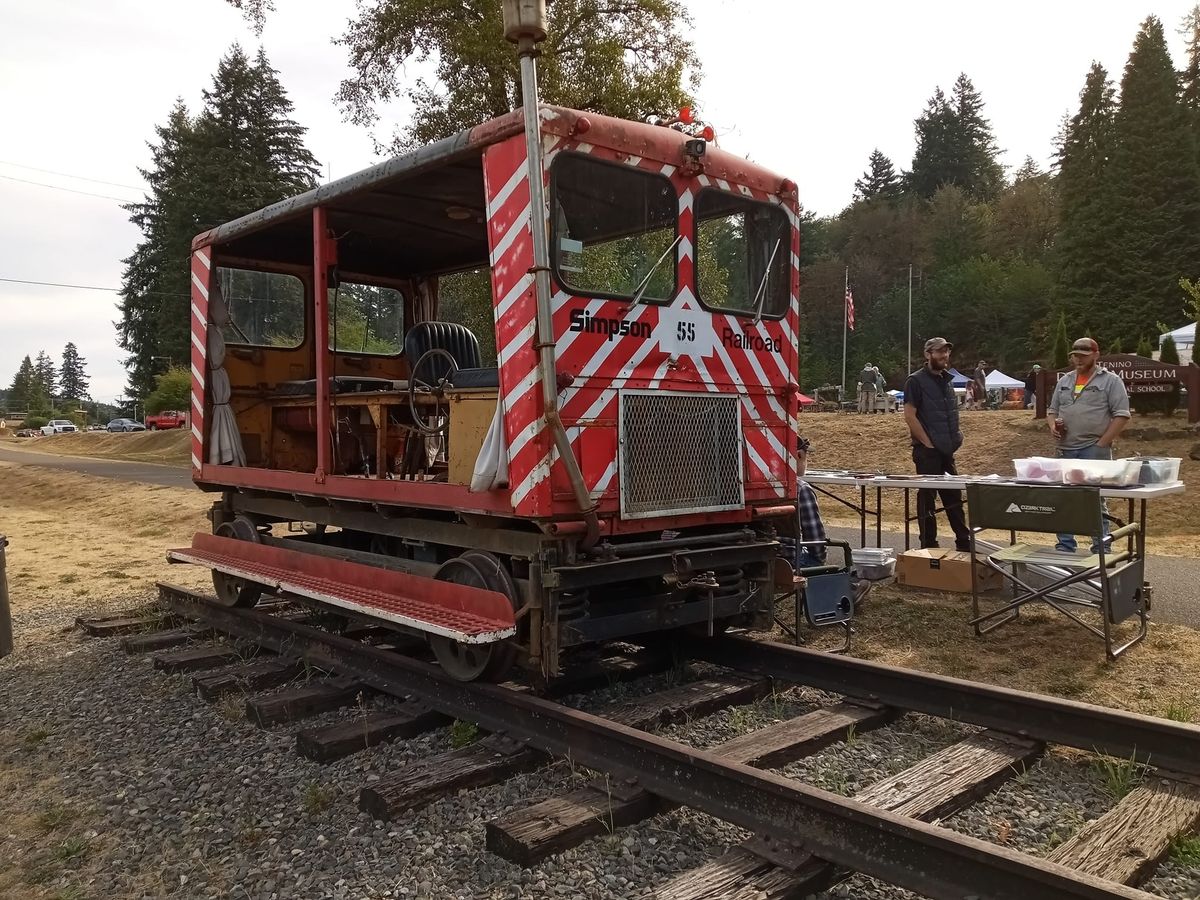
191,659
1128,842
262,675
165,640
341,739
530,835
496,757
292,704
933,788
110,626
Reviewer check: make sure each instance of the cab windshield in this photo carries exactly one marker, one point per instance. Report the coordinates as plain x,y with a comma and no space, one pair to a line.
743,249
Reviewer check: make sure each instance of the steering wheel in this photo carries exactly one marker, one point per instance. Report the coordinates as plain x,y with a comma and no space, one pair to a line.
417,385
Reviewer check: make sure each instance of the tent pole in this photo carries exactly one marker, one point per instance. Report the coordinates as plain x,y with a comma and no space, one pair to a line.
909,340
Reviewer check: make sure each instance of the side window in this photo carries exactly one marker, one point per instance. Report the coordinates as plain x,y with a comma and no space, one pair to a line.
743,251
466,298
614,229
364,318
266,309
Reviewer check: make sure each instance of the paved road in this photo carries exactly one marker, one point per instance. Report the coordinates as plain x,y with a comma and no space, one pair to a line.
1176,580
147,473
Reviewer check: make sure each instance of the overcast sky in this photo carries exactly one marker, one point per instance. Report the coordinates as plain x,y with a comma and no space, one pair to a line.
807,89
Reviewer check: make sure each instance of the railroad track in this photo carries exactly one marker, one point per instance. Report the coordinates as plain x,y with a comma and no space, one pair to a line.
806,839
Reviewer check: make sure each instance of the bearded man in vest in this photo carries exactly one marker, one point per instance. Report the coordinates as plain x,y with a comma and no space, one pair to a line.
931,411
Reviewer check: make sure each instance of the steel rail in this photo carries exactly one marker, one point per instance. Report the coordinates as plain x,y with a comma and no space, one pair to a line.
933,861
1160,742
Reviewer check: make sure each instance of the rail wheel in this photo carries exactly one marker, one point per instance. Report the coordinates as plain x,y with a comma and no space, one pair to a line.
472,662
230,590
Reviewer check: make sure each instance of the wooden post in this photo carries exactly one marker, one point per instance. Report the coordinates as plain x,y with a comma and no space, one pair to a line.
1045,381
6,639
1192,381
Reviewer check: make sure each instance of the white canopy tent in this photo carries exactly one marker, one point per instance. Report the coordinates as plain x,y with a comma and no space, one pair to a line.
997,380
1185,342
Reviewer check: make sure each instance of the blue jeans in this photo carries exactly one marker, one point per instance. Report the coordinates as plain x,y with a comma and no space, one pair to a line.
1066,542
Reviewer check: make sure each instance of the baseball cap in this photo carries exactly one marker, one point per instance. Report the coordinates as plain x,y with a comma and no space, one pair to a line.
937,343
1085,345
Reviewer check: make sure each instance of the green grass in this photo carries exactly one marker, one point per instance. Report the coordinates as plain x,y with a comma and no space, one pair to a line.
1186,850
1179,710
52,818
71,848
317,799
71,892
34,737
1120,775
463,734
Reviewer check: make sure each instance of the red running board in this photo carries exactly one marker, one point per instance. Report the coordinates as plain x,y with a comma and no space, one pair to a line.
467,614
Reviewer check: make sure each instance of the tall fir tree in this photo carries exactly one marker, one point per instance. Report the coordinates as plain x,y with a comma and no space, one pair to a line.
73,378
46,374
955,145
1190,93
1088,234
1156,180
879,182
24,387
1060,350
242,151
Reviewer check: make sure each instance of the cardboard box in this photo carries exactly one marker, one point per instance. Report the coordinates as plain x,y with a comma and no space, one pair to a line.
944,570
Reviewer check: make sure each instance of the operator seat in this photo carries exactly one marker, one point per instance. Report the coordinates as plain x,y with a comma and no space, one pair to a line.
460,343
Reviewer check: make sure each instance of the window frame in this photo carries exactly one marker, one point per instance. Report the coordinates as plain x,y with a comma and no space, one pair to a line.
305,299
405,305
786,247
576,291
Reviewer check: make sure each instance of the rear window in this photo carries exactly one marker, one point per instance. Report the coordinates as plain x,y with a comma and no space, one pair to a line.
366,319
743,250
266,309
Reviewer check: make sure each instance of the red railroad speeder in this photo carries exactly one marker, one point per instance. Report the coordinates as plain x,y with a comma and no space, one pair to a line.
623,467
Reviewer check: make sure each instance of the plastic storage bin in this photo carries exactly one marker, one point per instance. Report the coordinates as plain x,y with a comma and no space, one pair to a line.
1039,469
874,563
1158,469
1101,472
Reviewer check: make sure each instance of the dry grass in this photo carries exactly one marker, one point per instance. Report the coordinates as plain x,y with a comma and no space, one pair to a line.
993,439
1042,652
165,447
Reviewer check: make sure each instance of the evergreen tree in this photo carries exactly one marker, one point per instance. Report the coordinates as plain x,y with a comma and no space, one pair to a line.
1190,95
240,153
955,145
1156,181
1088,233
1169,353
46,375
24,387
1143,348
73,382
879,181
1059,353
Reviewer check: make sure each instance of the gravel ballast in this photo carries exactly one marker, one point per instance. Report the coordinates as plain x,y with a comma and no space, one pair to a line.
124,784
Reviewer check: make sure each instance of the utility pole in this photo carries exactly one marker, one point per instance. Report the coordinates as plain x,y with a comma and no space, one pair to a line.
845,320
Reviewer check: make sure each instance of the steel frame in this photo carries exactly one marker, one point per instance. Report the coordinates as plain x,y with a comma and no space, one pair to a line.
925,858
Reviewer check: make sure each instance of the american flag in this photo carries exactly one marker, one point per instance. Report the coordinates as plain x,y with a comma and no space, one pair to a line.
849,308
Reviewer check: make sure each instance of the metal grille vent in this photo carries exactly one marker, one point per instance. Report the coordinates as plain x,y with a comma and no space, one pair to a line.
680,453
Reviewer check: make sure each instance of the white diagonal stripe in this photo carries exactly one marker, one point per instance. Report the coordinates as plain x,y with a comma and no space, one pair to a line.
539,473
198,377
605,479
505,192
523,338
198,344
513,294
511,398
685,249
195,461
527,434
196,433
199,317
685,200
200,286
519,225
668,170
198,406
202,255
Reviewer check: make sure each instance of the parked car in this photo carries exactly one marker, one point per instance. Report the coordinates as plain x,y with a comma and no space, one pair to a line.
59,426
168,418
125,425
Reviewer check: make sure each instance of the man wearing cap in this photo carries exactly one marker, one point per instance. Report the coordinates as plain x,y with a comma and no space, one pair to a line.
931,411
866,389
1031,386
1088,409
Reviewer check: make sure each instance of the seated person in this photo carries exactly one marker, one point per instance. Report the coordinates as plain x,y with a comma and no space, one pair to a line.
808,526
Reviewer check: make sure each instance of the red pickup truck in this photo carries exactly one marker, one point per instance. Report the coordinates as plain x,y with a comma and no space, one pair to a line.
168,418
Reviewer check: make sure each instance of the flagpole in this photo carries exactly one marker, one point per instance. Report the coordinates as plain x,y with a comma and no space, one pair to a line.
908,340
845,319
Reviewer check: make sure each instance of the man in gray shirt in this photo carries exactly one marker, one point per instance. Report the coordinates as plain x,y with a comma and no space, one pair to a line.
1088,409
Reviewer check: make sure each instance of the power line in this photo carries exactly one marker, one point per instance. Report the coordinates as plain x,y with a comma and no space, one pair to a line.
55,187
4,162
89,287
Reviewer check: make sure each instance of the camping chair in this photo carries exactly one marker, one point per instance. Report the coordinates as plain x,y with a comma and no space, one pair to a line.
825,594
1118,577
